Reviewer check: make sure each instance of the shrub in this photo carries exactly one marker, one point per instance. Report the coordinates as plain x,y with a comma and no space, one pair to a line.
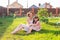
42,12
43,15
44,19
1,22
50,14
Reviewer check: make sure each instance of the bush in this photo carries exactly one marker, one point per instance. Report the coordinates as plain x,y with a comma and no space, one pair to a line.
1,22
50,14
42,12
43,15
44,19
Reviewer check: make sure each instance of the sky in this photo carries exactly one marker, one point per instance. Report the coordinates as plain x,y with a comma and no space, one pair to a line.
54,3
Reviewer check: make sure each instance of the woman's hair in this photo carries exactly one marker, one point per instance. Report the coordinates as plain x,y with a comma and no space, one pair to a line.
36,17
28,13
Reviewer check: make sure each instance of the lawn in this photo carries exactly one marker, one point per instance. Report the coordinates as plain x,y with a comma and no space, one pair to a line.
48,32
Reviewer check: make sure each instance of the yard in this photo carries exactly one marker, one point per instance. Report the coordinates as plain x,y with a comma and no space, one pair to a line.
48,31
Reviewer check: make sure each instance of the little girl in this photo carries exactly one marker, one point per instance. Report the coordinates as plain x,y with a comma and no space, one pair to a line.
35,26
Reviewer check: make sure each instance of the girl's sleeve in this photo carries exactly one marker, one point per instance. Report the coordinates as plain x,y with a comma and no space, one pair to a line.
38,23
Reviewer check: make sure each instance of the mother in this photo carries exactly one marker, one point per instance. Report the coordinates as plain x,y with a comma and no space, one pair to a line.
25,26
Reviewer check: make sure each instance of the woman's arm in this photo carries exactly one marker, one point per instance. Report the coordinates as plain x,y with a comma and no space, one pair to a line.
28,22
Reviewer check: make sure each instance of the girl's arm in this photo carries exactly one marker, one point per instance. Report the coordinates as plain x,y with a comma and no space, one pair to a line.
38,23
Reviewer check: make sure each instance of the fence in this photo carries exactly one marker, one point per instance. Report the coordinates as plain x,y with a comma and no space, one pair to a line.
3,11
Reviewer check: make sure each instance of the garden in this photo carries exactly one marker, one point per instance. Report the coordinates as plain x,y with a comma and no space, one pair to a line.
50,28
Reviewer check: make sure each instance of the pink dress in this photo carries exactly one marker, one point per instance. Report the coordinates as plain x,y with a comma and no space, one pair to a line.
36,28
26,27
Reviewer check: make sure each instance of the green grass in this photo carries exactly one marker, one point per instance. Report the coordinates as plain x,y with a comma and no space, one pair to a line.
7,25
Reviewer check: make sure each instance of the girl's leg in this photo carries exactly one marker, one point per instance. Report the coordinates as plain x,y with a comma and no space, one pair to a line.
17,29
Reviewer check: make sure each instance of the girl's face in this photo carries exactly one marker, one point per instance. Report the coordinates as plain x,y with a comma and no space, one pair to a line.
36,19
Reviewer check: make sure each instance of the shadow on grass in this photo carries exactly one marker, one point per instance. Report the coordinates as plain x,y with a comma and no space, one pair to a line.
49,31
42,31
53,24
4,24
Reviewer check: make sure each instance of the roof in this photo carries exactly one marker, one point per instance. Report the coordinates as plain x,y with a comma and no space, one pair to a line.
34,6
15,5
43,5
2,7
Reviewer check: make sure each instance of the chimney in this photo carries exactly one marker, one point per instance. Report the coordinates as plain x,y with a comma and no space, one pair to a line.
27,3
46,5
50,7
8,2
39,5
8,7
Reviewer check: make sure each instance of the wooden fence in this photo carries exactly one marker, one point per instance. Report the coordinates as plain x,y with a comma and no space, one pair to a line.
3,11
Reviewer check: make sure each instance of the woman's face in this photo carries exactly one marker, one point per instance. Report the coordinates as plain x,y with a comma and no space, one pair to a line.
30,15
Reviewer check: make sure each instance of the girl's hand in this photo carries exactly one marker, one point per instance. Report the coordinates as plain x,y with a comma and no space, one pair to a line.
30,25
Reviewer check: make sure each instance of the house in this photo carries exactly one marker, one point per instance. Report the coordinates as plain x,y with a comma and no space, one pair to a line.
45,5
34,9
15,5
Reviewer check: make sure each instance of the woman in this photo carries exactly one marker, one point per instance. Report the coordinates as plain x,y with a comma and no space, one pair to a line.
27,26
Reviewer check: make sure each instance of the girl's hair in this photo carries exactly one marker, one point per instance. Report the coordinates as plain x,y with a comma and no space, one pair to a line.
36,17
28,13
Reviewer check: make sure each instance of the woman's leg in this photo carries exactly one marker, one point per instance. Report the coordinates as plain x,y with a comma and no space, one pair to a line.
17,29
29,31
